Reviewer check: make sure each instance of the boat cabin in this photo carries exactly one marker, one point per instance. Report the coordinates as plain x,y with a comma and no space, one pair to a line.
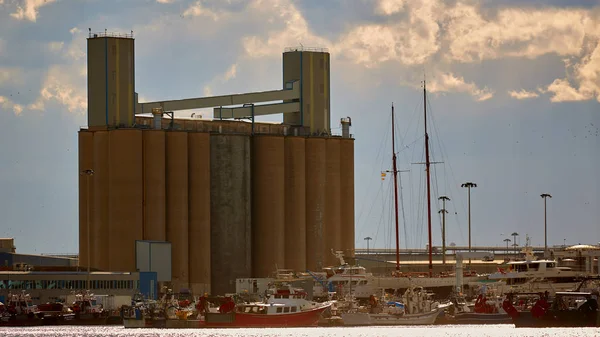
268,308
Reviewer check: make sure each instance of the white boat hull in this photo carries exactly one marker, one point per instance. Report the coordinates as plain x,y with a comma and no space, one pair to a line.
354,319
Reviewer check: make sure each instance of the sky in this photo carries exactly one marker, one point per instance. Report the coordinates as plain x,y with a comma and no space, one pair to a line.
513,103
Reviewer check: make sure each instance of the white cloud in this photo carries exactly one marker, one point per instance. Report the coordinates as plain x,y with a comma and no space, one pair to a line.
65,87
522,94
7,104
513,32
295,29
197,9
74,30
164,1
28,9
230,73
389,7
448,82
583,82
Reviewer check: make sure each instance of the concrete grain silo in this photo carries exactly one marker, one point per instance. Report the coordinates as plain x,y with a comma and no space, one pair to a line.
199,212
154,173
124,196
347,196
331,225
316,175
230,211
177,204
99,210
295,203
268,211
235,199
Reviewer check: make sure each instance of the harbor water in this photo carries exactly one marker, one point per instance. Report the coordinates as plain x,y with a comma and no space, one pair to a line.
440,330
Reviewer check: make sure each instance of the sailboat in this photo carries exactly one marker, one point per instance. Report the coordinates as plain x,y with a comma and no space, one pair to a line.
368,283
418,306
403,281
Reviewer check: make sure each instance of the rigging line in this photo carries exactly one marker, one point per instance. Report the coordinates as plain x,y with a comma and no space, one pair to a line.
415,116
402,204
443,148
384,195
377,196
449,193
380,151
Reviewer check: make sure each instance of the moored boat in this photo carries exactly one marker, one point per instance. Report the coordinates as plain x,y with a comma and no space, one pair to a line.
284,307
566,309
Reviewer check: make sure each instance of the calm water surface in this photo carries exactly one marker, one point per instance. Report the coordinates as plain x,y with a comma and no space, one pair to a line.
449,331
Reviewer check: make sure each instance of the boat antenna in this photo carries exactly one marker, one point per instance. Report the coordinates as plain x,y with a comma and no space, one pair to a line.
395,169
427,164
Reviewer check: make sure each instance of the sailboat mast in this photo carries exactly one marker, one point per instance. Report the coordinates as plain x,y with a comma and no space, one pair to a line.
395,169
427,164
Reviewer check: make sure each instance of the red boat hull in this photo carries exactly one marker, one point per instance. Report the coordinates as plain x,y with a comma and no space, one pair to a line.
248,320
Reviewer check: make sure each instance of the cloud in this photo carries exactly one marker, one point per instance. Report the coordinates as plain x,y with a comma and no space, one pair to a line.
585,76
164,1
8,104
389,7
295,30
64,86
28,9
522,94
513,32
230,73
197,9
447,82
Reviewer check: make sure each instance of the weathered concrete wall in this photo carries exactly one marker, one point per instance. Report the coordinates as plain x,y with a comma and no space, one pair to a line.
230,211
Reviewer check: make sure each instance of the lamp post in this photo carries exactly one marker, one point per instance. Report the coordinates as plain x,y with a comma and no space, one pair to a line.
514,235
443,211
468,185
507,240
545,196
368,238
88,173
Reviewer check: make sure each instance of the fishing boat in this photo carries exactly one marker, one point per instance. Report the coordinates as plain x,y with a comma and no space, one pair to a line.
283,308
485,311
19,310
417,307
565,309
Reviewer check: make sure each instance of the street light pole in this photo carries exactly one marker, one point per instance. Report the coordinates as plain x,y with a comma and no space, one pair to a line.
514,235
507,240
443,198
88,173
368,238
469,185
545,196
